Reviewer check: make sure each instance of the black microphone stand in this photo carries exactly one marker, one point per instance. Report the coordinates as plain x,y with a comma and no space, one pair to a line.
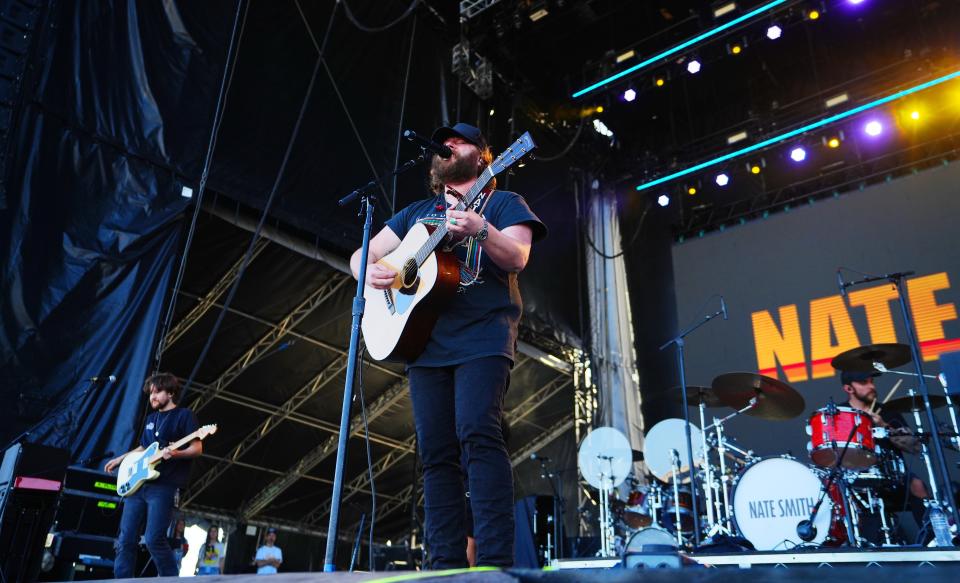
694,495
559,507
899,280
366,205
66,400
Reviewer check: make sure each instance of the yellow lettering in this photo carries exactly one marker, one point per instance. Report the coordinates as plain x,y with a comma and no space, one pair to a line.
876,302
929,316
773,345
829,318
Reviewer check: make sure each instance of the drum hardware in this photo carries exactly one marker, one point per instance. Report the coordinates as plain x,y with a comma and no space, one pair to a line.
678,530
907,404
722,525
924,450
806,529
604,459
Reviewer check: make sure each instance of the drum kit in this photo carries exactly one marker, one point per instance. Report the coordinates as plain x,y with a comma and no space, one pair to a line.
767,503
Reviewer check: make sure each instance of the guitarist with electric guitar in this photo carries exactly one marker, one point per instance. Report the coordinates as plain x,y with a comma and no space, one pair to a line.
442,296
152,475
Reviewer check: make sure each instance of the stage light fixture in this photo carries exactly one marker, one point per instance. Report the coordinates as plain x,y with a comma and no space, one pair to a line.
798,154
855,1
755,169
629,95
682,46
724,9
663,200
492,111
736,50
660,82
836,100
915,115
873,128
722,179
813,15
774,32
801,130
737,137
693,67
692,190
602,128
833,143
625,56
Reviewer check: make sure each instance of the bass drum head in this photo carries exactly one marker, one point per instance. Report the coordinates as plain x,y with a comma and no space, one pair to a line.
771,497
651,539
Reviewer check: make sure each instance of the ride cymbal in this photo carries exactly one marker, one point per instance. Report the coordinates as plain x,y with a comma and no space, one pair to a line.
861,359
908,404
776,400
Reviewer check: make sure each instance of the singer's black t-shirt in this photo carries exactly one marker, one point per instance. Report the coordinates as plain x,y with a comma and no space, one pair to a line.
166,427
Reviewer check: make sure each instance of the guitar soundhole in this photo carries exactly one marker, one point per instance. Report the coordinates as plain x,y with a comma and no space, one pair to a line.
409,273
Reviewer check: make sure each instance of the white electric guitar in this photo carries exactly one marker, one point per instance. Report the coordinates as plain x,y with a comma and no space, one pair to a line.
397,321
138,467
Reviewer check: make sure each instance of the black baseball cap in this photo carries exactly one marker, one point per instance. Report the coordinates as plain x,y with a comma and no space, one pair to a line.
463,130
852,376
271,529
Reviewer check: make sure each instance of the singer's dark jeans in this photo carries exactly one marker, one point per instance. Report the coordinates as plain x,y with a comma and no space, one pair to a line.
460,408
153,503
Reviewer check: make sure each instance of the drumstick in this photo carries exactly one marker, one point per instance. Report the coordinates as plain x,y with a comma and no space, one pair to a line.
892,391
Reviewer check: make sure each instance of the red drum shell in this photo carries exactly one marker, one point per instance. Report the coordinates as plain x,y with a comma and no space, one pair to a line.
829,433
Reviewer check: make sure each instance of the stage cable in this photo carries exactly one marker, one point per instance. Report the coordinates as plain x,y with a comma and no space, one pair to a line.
403,108
371,29
366,438
233,55
263,217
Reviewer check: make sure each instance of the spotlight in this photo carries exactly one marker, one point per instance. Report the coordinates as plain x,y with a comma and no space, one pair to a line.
873,128
915,115
855,1
736,50
798,154
833,143
774,32
693,67
660,82
755,169
599,109
663,200
722,179
629,95
602,128
692,190
813,15
492,111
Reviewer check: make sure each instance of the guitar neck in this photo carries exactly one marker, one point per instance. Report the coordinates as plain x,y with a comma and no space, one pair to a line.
179,443
441,231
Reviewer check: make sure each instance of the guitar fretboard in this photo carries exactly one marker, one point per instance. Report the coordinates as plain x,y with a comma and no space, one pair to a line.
441,231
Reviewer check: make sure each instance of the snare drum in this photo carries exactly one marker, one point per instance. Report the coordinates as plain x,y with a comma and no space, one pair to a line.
771,497
830,427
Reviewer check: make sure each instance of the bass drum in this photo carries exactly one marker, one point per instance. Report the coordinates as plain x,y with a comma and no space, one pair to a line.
771,496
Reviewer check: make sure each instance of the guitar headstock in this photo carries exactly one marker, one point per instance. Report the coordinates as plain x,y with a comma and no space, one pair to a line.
516,151
206,430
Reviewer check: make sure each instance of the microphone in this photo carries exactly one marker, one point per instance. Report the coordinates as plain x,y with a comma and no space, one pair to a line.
102,378
841,284
542,458
806,530
723,307
428,144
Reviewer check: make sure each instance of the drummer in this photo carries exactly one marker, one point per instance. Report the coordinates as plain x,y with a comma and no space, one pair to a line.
862,393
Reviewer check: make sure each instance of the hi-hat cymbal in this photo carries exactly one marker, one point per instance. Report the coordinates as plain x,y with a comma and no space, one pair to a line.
908,404
776,400
861,359
696,394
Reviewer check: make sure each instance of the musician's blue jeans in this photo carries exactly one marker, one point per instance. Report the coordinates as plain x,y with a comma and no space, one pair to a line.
153,503
460,408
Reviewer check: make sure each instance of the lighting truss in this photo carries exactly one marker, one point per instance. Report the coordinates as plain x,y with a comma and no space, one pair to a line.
806,128
684,45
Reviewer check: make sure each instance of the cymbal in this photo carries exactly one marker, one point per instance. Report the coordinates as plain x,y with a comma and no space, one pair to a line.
861,359
696,394
908,404
776,400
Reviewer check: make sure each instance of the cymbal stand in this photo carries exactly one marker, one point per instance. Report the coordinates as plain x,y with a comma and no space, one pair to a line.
678,528
722,446
606,518
925,452
708,484
951,408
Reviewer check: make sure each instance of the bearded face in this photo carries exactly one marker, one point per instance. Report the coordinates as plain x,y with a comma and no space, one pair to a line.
458,168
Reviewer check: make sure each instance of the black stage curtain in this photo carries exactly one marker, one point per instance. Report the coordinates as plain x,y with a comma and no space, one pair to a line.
121,100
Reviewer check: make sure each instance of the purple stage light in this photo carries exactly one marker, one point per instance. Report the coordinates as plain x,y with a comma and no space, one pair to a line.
693,67
629,95
873,128
774,32
798,154
722,180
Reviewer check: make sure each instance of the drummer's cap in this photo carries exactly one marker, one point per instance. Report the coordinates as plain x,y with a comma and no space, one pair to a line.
852,376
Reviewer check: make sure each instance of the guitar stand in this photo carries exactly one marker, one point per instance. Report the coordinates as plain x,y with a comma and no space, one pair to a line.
367,207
